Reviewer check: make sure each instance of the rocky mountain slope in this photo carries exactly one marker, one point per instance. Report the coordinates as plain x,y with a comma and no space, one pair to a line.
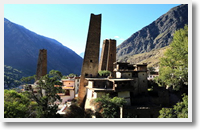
21,50
152,58
156,35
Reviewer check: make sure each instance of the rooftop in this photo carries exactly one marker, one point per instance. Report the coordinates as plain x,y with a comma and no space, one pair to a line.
109,79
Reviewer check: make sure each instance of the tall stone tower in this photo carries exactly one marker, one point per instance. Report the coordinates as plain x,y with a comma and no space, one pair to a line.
111,55
104,55
108,55
41,64
91,57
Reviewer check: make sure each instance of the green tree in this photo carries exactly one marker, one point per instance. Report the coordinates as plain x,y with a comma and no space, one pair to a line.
104,73
174,65
110,107
151,69
46,95
180,110
16,105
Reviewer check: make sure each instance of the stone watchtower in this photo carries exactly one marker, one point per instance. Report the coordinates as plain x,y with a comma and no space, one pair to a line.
108,55
91,57
41,64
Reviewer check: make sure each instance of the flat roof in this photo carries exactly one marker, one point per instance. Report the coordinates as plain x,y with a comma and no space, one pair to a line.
101,89
102,79
120,79
96,78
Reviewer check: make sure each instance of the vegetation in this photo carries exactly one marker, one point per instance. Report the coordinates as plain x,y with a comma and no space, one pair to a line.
12,77
180,110
174,65
16,105
110,107
46,95
104,73
70,75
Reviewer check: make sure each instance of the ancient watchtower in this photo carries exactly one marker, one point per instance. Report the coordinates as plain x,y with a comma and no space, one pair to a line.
91,57
108,55
42,63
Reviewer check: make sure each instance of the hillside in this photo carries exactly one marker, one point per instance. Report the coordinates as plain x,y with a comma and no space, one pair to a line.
151,58
156,35
21,49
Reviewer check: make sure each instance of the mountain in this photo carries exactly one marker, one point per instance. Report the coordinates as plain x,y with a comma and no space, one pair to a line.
152,58
156,35
21,50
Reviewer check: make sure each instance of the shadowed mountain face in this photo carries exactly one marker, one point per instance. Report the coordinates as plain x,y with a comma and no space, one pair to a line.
21,50
156,35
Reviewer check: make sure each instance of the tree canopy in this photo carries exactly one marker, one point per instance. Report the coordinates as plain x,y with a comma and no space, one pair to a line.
16,105
180,110
110,107
173,69
46,95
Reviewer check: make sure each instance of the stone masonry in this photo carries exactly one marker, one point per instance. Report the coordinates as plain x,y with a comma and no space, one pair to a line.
42,63
108,55
91,60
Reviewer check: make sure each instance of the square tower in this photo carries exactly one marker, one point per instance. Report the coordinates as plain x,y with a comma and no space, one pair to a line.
108,55
91,57
104,55
41,64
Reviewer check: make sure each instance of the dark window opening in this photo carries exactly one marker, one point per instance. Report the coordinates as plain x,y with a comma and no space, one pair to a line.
67,92
86,74
90,60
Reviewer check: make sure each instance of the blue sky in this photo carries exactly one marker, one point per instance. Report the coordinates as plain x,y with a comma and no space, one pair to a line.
68,23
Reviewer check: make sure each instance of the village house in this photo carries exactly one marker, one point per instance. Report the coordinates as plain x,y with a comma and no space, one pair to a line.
70,88
127,80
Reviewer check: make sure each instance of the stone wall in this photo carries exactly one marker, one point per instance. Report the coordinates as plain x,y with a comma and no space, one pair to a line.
42,63
91,57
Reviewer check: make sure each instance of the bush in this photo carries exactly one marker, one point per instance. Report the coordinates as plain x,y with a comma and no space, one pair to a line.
180,110
110,107
104,73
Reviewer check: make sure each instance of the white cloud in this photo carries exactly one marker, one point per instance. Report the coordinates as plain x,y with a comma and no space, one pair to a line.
121,39
116,37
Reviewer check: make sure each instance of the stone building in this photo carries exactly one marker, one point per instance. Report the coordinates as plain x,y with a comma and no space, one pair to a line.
129,81
41,70
91,57
108,55
42,63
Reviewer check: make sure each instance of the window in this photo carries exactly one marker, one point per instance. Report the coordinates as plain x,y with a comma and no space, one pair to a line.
86,74
91,61
67,92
